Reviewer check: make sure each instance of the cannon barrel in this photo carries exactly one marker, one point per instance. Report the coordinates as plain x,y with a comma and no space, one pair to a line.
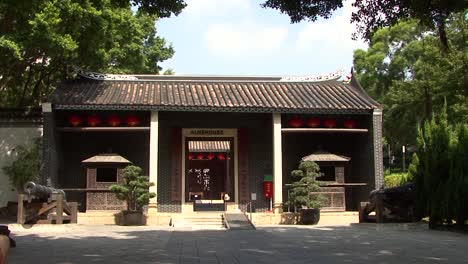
40,191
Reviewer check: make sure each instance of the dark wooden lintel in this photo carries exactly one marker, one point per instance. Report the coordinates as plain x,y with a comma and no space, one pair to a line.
108,129
324,130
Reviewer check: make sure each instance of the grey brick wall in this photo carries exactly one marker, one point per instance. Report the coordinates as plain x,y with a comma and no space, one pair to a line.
377,148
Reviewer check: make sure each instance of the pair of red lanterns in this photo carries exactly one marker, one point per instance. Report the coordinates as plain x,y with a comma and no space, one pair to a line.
204,156
95,120
314,122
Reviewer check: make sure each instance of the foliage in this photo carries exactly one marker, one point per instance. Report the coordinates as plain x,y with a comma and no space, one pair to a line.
406,72
161,8
134,190
302,190
372,15
395,179
440,171
27,166
40,42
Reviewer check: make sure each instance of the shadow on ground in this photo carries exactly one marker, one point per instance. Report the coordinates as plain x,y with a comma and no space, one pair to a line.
360,243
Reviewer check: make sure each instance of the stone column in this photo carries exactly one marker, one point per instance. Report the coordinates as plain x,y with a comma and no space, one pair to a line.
277,165
153,166
377,148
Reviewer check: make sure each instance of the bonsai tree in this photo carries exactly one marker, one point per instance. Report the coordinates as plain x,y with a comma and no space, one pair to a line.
134,190
301,193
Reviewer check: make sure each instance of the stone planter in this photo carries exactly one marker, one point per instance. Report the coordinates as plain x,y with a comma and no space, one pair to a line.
309,216
132,218
289,218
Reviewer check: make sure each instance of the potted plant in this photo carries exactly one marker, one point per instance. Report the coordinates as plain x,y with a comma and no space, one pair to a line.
135,191
302,192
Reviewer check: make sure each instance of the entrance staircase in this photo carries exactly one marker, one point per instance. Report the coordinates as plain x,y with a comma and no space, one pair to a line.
200,221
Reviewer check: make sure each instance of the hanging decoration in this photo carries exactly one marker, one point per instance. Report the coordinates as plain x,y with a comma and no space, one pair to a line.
313,122
349,123
190,156
221,156
75,120
93,120
295,122
200,156
329,123
132,121
210,156
113,120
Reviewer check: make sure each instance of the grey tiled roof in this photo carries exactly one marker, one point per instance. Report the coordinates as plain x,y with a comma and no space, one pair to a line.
220,95
209,146
106,158
325,156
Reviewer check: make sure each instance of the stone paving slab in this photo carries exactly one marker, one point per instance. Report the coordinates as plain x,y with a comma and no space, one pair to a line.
356,243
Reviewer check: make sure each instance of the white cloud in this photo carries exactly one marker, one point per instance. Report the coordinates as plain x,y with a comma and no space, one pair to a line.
244,39
215,8
331,35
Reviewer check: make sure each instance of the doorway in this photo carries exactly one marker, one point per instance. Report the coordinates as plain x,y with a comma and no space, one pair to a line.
209,168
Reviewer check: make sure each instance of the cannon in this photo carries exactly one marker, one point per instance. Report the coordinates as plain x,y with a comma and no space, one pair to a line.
45,205
394,204
40,191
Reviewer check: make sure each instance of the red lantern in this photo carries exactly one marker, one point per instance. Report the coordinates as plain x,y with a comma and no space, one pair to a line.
221,156
93,120
349,123
190,156
313,122
329,123
210,156
75,120
200,156
113,120
268,189
295,121
132,121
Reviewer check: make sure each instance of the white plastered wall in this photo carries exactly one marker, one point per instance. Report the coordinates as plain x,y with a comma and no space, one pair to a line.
10,137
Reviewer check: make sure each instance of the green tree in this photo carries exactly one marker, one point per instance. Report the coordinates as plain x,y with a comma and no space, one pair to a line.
40,41
135,188
372,15
27,166
302,190
440,172
457,196
405,71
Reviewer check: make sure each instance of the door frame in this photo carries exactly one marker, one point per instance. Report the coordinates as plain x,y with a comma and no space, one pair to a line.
209,133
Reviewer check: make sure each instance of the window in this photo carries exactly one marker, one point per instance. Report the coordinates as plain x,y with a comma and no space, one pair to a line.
106,175
328,173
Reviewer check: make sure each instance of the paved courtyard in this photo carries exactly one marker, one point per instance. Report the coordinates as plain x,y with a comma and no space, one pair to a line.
357,243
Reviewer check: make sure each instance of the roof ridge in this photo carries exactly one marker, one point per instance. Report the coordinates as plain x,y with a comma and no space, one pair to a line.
334,76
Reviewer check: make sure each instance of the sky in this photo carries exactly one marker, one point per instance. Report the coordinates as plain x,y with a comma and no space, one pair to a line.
238,37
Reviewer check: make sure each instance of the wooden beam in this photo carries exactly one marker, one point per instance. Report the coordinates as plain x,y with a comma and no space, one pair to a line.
324,130
107,129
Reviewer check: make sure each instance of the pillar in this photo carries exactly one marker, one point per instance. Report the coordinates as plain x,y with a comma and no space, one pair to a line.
153,166
277,165
49,175
377,148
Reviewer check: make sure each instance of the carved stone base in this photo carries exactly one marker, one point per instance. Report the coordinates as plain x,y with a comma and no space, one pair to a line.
278,208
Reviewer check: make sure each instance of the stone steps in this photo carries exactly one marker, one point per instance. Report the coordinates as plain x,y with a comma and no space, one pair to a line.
200,221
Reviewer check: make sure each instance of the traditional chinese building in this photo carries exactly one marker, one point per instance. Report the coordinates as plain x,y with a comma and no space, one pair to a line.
213,138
